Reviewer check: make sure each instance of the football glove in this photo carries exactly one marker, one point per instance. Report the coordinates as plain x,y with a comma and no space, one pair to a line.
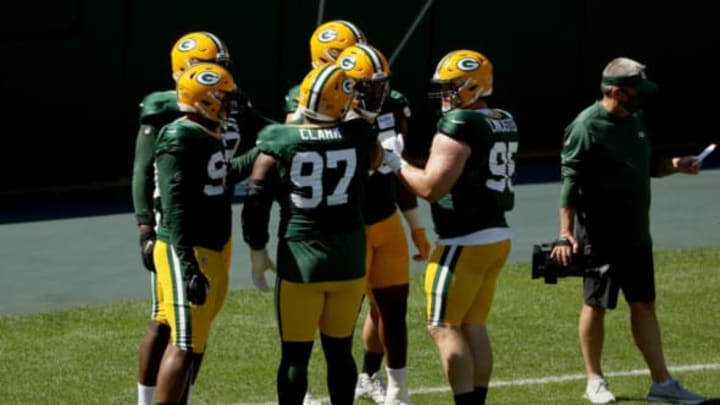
393,143
260,263
196,286
393,160
147,244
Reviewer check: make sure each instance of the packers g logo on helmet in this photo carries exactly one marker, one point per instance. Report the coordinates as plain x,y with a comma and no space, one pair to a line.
204,88
187,45
327,35
347,62
348,85
208,78
468,64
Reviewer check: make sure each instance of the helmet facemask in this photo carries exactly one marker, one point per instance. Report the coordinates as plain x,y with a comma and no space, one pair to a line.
371,95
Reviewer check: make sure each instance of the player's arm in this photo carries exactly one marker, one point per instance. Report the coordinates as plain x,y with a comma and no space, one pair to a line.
241,166
250,121
256,216
443,168
143,184
256,209
143,176
407,202
175,196
292,115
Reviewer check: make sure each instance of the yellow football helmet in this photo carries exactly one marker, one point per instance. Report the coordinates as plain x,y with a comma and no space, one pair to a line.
326,94
371,72
197,47
331,38
465,76
205,88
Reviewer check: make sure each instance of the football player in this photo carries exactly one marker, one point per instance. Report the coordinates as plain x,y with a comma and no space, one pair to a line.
327,41
468,179
156,110
193,248
387,259
317,170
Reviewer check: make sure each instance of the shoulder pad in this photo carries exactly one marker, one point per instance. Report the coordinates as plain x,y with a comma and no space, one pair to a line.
158,103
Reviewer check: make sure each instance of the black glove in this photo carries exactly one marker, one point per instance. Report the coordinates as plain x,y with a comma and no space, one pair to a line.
147,244
196,287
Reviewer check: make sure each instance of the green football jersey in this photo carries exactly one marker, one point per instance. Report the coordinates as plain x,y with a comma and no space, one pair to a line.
322,173
484,191
609,159
291,103
382,187
195,198
156,110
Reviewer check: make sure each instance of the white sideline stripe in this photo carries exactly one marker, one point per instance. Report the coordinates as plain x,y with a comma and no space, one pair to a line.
543,380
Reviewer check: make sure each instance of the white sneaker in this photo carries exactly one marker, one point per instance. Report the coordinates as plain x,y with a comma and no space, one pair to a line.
310,399
673,392
398,401
372,388
597,391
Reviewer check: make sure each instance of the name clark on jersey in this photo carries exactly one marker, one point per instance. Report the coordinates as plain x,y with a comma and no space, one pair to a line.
319,134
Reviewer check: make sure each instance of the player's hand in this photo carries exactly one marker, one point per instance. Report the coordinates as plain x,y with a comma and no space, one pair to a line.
147,245
687,164
393,160
196,287
393,143
421,243
564,248
260,263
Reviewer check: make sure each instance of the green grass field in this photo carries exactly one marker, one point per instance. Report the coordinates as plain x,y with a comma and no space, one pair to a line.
88,355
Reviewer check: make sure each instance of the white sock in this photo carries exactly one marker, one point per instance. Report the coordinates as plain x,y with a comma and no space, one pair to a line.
397,382
145,394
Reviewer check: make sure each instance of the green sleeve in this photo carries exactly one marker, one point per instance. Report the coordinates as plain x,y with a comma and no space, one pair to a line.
576,144
454,125
174,197
241,166
291,103
142,176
